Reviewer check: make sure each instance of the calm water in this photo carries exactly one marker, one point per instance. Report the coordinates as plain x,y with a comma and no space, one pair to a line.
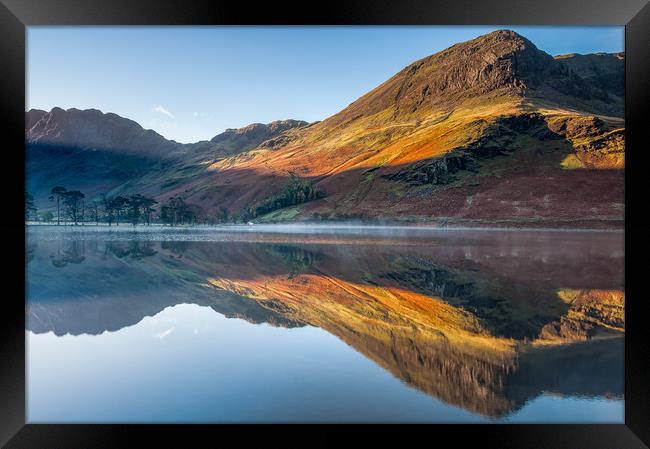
324,325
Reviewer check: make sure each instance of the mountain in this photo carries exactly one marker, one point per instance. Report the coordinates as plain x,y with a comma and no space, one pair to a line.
93,130
88,150
490,131
499,64
102,152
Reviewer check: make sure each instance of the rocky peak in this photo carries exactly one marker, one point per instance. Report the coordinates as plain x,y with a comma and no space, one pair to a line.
499,64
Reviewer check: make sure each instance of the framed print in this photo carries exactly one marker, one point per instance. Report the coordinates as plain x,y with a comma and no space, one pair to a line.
388,219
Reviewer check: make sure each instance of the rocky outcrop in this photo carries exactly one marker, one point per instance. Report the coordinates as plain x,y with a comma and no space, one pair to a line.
497,137
436,171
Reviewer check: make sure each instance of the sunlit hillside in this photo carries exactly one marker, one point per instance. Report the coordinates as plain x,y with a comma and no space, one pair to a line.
492,131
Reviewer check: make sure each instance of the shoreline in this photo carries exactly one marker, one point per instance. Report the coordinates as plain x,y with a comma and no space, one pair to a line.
307,227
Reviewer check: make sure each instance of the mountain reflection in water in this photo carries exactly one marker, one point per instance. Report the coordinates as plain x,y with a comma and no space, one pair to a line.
483,321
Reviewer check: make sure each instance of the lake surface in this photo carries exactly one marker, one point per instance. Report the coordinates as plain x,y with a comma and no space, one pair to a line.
317,324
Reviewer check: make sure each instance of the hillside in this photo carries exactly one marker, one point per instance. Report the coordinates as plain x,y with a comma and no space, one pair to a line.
105,153
490,131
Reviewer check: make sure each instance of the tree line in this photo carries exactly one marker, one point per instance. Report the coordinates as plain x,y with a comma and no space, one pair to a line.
295,191
72,208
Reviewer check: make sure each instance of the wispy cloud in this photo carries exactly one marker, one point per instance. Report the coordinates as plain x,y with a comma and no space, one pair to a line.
163,111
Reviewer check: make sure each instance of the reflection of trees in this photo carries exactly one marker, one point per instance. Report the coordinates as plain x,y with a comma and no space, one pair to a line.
30,251
140,250
177,248
74,251
69,252
135,249
118,249
294,258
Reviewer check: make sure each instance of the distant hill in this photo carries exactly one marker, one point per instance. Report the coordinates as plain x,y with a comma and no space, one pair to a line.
233,141
98,153
490,131
93,130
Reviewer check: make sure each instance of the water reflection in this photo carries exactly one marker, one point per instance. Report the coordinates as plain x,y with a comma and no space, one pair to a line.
486,322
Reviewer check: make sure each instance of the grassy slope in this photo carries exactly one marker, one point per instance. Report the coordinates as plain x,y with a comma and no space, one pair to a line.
538,182
349,160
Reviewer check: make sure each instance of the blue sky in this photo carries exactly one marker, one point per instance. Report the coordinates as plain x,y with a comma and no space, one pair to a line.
191,83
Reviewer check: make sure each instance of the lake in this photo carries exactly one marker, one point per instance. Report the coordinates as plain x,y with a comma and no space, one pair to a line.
323,324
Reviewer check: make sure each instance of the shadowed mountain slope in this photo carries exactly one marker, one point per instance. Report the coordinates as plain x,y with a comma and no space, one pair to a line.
91,129
104,153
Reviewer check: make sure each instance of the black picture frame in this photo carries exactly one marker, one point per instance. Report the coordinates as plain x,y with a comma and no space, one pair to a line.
16,15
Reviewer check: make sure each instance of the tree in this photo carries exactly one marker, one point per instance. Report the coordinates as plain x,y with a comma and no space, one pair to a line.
133,208
94,212
166,214
47,216
296,191
73,200
223,214
118,205
82,216
176,211
147,205
57,193
134,205
107,205
168,211
30,208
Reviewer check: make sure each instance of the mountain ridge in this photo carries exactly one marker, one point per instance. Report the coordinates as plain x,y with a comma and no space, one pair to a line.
469,115
502,62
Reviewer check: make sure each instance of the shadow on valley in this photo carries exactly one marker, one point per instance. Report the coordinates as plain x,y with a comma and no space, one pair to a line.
482,321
